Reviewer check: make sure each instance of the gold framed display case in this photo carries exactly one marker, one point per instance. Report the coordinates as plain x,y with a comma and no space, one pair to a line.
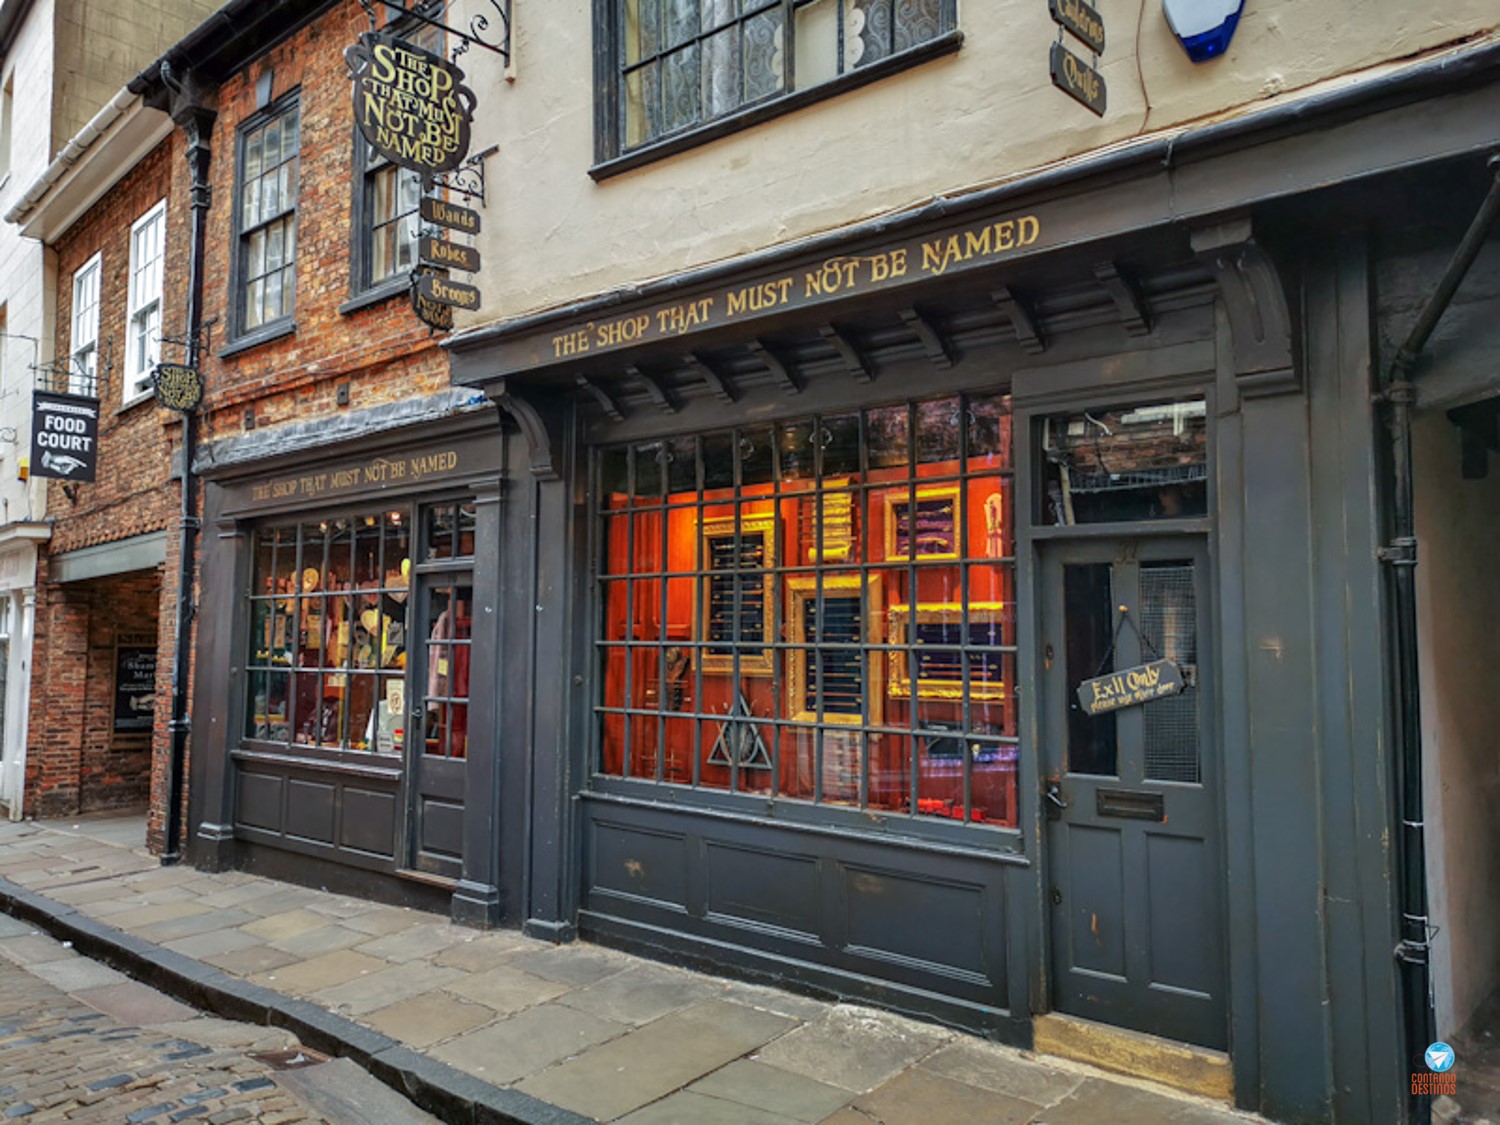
939,628
739,584
827,522
928,530
846,694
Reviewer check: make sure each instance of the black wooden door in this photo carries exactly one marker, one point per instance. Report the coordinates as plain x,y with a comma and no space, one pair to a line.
438,723
1131,799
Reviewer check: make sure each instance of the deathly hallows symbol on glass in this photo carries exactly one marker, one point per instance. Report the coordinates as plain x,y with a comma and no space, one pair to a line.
739,739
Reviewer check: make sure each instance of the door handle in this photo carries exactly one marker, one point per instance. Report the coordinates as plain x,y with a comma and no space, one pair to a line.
1053,794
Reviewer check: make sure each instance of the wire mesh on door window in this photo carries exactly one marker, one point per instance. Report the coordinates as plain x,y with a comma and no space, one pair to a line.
1169,628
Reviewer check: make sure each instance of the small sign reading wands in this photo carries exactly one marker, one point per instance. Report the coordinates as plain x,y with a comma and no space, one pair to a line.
1130,687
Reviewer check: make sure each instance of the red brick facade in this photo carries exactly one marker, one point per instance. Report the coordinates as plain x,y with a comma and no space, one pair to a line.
382,352
76,762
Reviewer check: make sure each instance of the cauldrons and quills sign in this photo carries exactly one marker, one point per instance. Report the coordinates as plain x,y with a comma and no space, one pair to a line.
411,106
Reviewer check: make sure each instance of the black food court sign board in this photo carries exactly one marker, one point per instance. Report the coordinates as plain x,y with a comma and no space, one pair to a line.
1130,687
64,436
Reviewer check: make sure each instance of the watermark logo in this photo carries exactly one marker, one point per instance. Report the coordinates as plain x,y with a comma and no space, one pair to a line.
1438,1078
1439,1058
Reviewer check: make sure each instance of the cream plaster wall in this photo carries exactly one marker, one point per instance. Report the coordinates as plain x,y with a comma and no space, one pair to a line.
24,278
985,114
105,43
1458,592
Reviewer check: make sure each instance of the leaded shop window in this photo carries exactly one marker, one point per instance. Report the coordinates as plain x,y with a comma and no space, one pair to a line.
270,147
1122,465
685,62
820,610
389,196
328,645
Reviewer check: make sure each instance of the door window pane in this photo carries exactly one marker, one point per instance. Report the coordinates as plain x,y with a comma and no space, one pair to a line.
1088,641
1169,631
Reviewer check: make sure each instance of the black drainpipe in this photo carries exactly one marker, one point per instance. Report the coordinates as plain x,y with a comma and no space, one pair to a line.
197,122
1398,394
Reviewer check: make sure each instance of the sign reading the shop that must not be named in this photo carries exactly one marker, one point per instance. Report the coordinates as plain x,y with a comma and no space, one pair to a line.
1130,687
411,106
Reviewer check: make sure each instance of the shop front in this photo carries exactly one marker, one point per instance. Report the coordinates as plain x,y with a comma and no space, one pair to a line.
341,592
982,611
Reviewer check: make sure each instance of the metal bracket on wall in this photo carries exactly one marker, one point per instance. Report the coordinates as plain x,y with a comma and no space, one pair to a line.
466,180
479,34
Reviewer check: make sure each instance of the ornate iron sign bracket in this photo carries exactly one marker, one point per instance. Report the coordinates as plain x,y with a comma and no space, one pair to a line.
466,180
479,34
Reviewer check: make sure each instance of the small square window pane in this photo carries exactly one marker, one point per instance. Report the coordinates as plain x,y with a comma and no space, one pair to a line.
682,89
764,65
681,20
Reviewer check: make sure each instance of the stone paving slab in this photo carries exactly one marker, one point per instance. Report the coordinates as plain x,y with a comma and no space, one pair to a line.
540,1034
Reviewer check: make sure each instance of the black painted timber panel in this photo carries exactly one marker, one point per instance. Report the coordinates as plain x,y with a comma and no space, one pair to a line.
310,810
878,919
755,886
369,822
259,804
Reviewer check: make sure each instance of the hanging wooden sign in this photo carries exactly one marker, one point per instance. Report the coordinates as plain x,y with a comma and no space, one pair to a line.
442,254
1082,19
436,316
1078,80
1130,687
410,105
177,387
64,436
444,214
441,291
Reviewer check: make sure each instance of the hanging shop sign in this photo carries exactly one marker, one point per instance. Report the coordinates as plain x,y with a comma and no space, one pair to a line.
1083,20
177,387
411,106
1130,687
442,254
438,289
444,214
1078,79
1203,27
135,686
64,436
436,316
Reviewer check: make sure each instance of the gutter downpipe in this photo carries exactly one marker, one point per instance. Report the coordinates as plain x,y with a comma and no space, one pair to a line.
197,122
1397,393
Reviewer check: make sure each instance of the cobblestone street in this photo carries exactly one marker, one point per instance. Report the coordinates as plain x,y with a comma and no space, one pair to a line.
79,1042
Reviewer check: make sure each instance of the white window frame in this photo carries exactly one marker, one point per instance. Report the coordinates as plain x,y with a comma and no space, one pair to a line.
83,370
143,321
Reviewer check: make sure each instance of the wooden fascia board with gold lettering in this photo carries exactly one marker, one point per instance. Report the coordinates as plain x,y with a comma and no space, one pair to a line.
741,305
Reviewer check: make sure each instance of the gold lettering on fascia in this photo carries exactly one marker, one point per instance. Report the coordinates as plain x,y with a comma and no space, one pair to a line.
377,472
841,276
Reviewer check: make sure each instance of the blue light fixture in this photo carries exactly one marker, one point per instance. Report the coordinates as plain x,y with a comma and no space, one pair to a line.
1204,27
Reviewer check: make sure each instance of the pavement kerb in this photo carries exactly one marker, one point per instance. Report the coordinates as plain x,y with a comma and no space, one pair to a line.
443,1091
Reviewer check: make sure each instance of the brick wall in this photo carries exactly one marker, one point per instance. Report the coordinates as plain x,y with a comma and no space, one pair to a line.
75,763
383,351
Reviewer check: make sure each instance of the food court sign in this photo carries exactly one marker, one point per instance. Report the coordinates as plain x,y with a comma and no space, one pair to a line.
411,106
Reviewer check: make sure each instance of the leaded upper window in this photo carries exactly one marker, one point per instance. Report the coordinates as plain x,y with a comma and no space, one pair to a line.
389,196
682,63
269,151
